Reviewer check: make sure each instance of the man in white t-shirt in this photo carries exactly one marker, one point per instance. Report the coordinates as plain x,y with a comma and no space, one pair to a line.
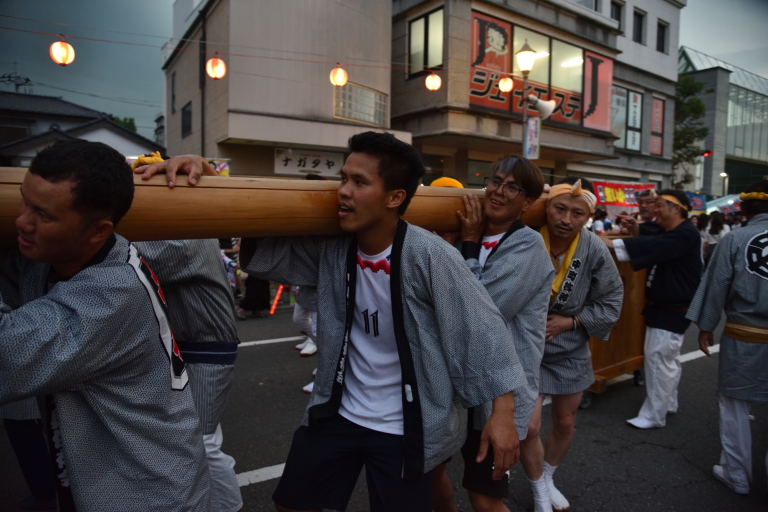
405,334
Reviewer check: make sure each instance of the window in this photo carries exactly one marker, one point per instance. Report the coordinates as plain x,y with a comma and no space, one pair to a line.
173,92
426,42
627,118
359,103
589,4
661,37
638,27
477,171
186,119
617,10
657,127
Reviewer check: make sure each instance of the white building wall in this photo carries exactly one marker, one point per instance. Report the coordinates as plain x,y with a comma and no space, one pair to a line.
125,146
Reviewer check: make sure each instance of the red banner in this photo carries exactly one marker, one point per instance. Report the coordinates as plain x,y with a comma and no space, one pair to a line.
490,60
619,194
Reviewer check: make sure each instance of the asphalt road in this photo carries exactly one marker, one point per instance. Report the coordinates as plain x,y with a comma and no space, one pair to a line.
611,467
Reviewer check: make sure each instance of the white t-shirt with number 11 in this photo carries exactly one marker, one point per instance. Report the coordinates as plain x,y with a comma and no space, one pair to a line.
372,395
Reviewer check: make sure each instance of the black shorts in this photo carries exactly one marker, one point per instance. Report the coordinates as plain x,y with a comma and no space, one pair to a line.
478,476
324,463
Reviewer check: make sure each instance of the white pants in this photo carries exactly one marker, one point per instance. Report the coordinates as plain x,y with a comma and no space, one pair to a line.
662,374
736,438
225,491
307,320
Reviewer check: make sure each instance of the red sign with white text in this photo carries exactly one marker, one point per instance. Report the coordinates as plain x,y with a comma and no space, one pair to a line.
598,84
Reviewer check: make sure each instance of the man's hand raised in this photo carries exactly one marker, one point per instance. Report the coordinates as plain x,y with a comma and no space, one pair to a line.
192,165
500,433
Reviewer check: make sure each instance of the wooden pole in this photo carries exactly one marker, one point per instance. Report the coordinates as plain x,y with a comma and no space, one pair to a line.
220,207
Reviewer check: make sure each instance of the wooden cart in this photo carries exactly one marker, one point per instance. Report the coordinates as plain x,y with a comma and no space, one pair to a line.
623,352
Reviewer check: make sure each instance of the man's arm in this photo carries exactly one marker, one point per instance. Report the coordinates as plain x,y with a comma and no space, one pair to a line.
708,302
294,259
647,251
193,165
606,294
500,433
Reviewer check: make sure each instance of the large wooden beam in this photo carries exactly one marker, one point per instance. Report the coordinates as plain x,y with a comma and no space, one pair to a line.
221,207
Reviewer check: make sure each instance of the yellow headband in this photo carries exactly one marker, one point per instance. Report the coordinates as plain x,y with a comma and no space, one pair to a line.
576,191
760,196
446,182
674,200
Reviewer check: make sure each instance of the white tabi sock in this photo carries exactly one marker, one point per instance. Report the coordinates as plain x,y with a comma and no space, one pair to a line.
541,502
558,500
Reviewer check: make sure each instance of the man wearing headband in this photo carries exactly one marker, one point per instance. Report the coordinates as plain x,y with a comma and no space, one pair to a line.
584,300
736,280
674,260
510,261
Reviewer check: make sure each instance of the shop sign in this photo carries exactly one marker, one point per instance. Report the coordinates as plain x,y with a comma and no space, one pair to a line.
598,83
619,194
307,161
698,202
531,141
490,60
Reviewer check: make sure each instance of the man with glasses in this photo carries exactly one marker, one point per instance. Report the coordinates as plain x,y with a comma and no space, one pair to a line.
674,260
510,260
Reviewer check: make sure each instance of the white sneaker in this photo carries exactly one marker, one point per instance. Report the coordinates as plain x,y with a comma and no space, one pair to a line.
643,423
308,388
303,344
309,349
719,473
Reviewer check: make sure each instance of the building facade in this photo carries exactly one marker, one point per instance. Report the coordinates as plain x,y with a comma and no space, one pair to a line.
737,118
607,65
276,111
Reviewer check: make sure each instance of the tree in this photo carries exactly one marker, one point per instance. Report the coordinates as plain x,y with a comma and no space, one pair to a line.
689,128
126,122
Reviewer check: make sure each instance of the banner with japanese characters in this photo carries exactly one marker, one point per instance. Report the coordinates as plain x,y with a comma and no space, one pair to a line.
619,194
307,161
698,202
598,83
531,138
490,56
657,126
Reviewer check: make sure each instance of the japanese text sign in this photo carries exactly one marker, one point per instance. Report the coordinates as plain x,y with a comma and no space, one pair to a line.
306,161
490,60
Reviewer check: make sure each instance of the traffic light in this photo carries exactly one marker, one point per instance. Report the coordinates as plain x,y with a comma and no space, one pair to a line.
707,153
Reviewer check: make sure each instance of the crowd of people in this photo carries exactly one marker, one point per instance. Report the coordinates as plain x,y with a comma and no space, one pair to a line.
116,361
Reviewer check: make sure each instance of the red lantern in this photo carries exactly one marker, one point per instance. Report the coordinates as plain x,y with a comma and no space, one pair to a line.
339,76
216,68
433,82
62,53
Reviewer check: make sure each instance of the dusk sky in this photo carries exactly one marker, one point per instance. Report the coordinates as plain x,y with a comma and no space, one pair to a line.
127,80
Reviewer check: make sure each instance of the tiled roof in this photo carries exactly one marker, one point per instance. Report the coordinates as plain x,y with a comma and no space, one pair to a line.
50,105
691,60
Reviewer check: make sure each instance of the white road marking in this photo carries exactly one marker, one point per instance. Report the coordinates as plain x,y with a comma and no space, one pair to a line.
267,342
272,472
260,475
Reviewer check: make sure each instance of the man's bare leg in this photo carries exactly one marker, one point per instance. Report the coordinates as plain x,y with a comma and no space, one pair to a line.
564,408
442,491
532,458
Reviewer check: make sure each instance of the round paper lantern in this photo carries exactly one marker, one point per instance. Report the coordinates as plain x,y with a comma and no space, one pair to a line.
216,68
338,76
62,53
505,84
433,82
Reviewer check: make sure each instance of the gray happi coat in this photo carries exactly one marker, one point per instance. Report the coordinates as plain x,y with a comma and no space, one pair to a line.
93,342
453,343
518,276
200,312
592,291
736,280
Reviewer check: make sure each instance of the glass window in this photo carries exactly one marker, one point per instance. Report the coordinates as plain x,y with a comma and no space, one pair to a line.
186,119
435,41
540,44
567,66
360,104
425,39
634,120
589,4
638,27
657,126
477,171
661,37
617,10
619,116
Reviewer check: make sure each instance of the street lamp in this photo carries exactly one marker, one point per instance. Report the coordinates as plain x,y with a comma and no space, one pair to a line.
62,53
525,58
724,175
